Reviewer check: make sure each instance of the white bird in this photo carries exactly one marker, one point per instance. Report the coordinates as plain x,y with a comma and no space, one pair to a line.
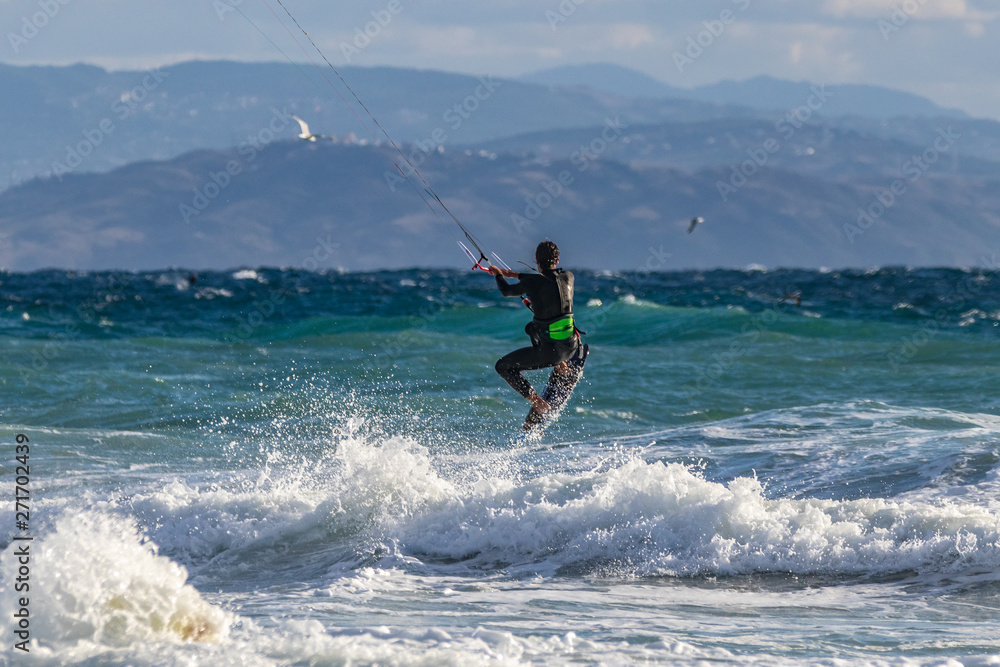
306,134
694,223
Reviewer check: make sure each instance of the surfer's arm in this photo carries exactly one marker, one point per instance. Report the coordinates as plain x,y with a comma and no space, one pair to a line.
506,273
507,289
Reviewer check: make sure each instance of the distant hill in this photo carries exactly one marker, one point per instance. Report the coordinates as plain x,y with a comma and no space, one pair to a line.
606,78
296,204
197,165
82,118
764,92
99,120
761,92
833,151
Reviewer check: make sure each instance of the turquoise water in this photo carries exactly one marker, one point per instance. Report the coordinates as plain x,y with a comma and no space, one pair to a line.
282,467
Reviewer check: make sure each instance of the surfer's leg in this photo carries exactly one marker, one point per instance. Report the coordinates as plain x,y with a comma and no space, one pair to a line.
525,359
560,355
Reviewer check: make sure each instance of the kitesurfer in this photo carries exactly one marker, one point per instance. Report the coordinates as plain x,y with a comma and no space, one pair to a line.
554,337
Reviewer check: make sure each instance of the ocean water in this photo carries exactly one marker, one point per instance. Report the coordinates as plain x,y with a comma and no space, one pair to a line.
276,467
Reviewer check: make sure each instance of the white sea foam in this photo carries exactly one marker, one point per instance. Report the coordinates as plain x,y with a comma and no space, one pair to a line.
102,595
97,585
654,519
632,517
213,293
376,516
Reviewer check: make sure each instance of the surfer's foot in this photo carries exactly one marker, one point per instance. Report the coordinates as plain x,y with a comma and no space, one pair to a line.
539,404
562,368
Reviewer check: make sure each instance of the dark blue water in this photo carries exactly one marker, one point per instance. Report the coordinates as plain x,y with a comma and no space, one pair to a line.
283,467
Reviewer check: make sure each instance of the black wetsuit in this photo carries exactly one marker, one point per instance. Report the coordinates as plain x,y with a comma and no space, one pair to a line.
552,332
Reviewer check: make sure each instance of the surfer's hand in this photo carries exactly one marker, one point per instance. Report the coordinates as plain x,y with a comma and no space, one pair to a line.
506,273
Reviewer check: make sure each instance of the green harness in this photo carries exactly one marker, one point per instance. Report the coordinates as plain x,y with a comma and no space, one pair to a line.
561,329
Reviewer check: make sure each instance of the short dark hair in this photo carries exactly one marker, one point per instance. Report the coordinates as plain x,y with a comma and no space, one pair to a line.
547,255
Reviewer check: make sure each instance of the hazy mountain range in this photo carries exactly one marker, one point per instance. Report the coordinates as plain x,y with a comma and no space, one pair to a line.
762,92
197,165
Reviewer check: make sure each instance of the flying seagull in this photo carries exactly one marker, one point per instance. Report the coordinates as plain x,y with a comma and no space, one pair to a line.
306,134
694,223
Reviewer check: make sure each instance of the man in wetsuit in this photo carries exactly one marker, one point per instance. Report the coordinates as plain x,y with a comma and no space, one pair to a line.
552,331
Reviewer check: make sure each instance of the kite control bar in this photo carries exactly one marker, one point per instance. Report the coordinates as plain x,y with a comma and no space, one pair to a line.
476,263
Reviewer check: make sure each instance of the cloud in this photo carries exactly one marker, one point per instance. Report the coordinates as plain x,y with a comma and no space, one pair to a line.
629,36
918,9
795,52
975,29
814,51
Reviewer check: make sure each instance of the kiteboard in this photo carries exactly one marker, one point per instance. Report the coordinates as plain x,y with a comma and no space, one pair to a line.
557,392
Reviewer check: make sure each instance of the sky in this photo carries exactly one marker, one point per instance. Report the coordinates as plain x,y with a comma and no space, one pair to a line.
945,50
